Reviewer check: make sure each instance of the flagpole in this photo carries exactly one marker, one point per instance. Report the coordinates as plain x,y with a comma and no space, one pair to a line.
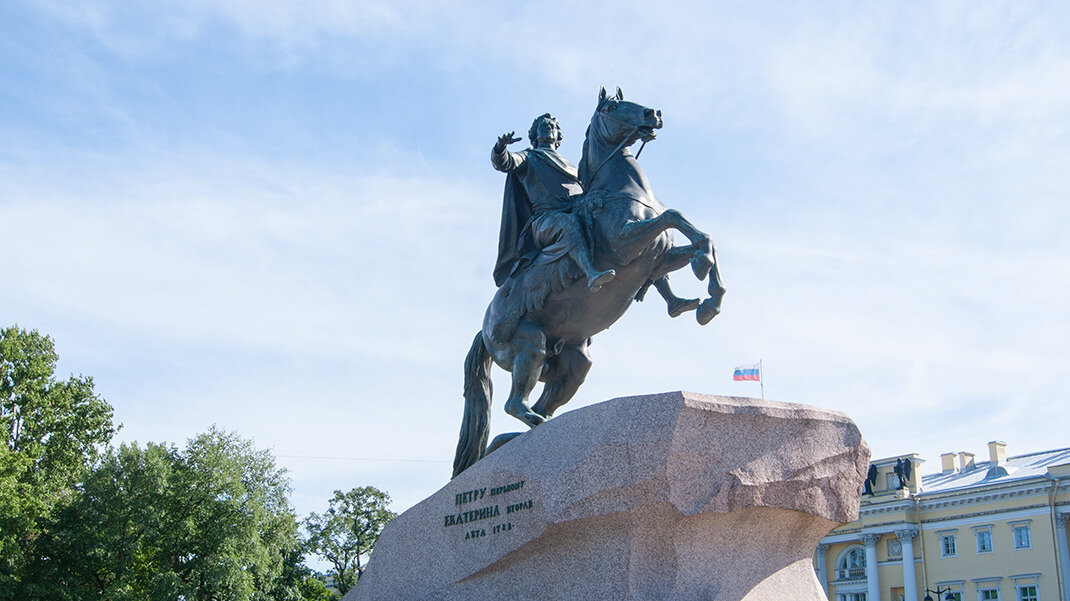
761,378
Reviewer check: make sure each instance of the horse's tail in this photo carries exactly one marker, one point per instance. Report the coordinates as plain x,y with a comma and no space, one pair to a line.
475,425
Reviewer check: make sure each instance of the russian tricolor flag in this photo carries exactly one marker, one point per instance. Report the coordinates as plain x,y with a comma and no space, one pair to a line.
748,372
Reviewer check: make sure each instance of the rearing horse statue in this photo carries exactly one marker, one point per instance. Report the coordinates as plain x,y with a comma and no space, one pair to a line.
540,321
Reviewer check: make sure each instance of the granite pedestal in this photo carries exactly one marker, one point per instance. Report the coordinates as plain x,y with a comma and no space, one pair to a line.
676,496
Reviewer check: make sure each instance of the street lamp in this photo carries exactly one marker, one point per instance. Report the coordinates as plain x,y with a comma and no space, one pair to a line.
939,591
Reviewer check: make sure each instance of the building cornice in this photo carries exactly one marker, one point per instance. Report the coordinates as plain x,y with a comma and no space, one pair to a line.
899,505
971,519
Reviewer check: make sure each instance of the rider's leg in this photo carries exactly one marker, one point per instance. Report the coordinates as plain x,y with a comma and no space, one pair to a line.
677,306
570,369
564,227
529,355
595,277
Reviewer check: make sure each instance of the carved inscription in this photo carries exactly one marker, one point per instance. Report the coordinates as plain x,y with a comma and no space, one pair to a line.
486,512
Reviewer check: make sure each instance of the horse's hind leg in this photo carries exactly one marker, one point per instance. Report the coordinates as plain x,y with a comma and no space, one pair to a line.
568,370
528,358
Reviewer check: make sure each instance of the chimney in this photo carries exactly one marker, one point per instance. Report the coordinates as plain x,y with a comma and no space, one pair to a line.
997,453
965,460
947,463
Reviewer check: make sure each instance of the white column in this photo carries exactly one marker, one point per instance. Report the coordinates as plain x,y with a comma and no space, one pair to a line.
822,571
874,592
1064,554
910,579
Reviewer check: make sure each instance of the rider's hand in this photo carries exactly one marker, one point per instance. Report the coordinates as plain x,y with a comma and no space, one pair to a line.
505,140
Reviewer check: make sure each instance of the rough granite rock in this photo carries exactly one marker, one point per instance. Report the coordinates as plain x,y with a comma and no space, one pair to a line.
676,496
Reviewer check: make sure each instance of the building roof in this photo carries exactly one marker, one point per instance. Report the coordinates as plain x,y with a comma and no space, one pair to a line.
985,473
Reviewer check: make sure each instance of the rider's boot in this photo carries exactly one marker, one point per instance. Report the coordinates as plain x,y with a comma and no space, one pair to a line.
677,306
600,278
595,278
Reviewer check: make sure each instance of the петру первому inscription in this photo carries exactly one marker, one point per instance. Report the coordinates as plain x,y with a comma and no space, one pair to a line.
475,495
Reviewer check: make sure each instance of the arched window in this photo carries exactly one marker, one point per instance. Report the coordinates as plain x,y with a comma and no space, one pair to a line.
851,564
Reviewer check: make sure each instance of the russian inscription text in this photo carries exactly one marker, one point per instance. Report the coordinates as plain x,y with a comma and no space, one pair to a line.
486,512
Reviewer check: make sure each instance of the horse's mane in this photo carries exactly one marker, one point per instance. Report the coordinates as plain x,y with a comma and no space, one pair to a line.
588,167
585,155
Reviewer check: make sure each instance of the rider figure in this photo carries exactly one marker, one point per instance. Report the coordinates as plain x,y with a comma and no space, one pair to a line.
537,223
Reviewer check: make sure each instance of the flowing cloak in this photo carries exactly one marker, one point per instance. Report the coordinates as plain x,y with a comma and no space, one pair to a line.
516,244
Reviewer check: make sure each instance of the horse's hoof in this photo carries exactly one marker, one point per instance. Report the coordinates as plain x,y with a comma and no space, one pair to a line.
707,311
525,415
701,265
681,306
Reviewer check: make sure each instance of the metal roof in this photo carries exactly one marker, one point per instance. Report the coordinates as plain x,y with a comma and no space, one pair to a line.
986,473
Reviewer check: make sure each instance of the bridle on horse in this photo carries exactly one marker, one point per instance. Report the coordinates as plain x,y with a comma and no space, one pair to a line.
622,142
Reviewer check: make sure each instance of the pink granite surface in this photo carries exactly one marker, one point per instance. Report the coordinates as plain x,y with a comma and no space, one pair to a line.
674,496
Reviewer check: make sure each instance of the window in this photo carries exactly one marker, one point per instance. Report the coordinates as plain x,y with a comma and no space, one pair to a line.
984,541
1021,537
947,545
956,596
852,564
1028,592
851,597
988,594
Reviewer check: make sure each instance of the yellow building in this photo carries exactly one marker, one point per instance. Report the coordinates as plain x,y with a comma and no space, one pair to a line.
991,531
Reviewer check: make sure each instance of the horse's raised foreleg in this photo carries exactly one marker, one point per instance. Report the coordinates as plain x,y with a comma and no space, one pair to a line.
568,371
676,258
679,256
711,307
702,255
635,236
529,355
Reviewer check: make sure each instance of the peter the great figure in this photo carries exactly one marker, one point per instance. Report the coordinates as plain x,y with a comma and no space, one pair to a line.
536,214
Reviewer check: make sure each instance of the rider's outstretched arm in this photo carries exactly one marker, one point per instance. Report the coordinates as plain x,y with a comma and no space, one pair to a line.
502,159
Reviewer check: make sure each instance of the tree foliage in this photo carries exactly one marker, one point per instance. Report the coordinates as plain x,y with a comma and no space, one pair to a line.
51,430
345,534
209,522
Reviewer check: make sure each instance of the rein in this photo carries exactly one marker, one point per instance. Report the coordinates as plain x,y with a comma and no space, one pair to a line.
610,155
619,146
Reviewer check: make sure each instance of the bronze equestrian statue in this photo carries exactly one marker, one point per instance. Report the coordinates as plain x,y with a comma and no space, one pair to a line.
578,246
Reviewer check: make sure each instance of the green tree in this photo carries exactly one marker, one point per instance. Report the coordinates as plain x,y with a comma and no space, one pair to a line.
345,534
212,521
51,430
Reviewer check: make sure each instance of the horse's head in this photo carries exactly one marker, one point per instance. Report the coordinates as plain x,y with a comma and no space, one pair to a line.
625,121
616,125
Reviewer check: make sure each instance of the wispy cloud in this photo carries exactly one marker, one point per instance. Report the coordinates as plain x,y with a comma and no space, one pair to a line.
295,239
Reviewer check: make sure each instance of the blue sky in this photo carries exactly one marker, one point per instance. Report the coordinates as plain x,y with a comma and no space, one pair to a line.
281,218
